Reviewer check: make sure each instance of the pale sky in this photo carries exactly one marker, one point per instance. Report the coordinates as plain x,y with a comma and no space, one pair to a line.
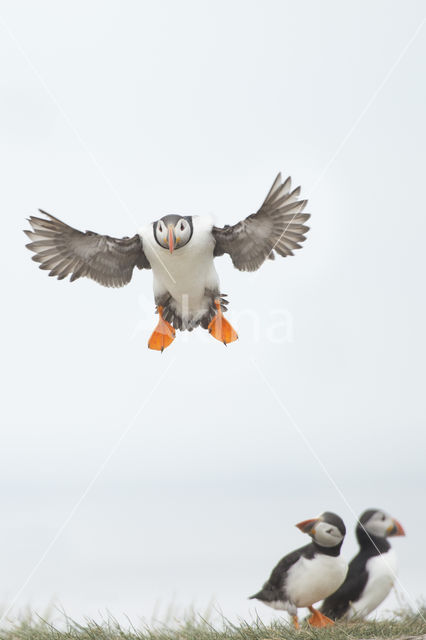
131,480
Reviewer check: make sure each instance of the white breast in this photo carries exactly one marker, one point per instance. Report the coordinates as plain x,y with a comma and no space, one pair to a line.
187,272
312,580
381,577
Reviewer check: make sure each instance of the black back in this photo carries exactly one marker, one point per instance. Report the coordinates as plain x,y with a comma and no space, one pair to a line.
275,587
337,605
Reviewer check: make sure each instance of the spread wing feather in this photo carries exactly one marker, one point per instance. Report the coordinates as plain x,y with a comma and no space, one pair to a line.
277,227
64,251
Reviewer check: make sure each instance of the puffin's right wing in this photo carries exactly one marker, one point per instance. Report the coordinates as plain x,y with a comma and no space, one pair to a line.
277,226
63,251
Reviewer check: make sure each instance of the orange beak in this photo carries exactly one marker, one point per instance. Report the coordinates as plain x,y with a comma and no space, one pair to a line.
306,526
171,241
397,529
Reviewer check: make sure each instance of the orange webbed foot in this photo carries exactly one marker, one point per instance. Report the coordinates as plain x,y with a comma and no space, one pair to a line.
318,619
163,334
220,328
296,622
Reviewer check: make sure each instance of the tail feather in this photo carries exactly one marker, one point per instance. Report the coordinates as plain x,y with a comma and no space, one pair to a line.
267,595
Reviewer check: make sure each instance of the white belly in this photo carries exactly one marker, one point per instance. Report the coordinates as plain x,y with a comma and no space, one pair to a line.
381,577
309,581
281,605
187,272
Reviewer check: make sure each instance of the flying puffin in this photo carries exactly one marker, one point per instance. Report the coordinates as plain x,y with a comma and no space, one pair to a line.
371,573
180,250
310,573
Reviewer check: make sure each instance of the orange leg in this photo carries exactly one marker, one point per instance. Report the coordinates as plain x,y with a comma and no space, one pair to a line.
318,619
163,334
220,328
296,622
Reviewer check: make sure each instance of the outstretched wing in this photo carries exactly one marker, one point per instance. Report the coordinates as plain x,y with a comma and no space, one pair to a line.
64,251
277,226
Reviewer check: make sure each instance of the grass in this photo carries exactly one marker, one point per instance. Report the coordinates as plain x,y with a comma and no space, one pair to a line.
401,625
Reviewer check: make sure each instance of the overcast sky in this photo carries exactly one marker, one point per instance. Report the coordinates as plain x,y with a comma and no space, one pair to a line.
130,480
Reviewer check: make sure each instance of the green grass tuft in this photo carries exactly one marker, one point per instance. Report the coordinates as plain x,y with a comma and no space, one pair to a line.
401,625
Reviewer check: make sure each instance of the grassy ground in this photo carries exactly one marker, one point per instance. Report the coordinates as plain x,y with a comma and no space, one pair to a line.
402,625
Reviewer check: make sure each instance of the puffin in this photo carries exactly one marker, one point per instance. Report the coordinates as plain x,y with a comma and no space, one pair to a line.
372,571
309,574
180,250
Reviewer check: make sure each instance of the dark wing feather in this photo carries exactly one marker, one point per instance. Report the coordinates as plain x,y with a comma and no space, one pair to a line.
64,251
277,226
338,604
274,587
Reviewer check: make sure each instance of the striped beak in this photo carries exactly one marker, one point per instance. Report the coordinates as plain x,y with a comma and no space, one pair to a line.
307,526
396,529
171,238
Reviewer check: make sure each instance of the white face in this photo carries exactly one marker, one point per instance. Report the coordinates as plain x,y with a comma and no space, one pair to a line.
326,535
380,524
178,234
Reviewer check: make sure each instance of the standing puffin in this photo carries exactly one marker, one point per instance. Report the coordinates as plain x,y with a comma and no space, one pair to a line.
180,250
371,573
310,573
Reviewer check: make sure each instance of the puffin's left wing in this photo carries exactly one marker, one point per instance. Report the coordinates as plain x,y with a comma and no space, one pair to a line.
63,251
277,226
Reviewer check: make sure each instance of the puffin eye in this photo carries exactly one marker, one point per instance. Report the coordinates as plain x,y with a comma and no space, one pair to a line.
182,226
329,531
160,228
383,517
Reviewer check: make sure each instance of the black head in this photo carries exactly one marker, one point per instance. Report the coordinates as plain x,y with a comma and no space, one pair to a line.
173,232
379,524
327,530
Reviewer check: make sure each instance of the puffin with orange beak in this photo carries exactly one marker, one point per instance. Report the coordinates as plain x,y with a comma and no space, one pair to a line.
372,572
310,573
180,250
